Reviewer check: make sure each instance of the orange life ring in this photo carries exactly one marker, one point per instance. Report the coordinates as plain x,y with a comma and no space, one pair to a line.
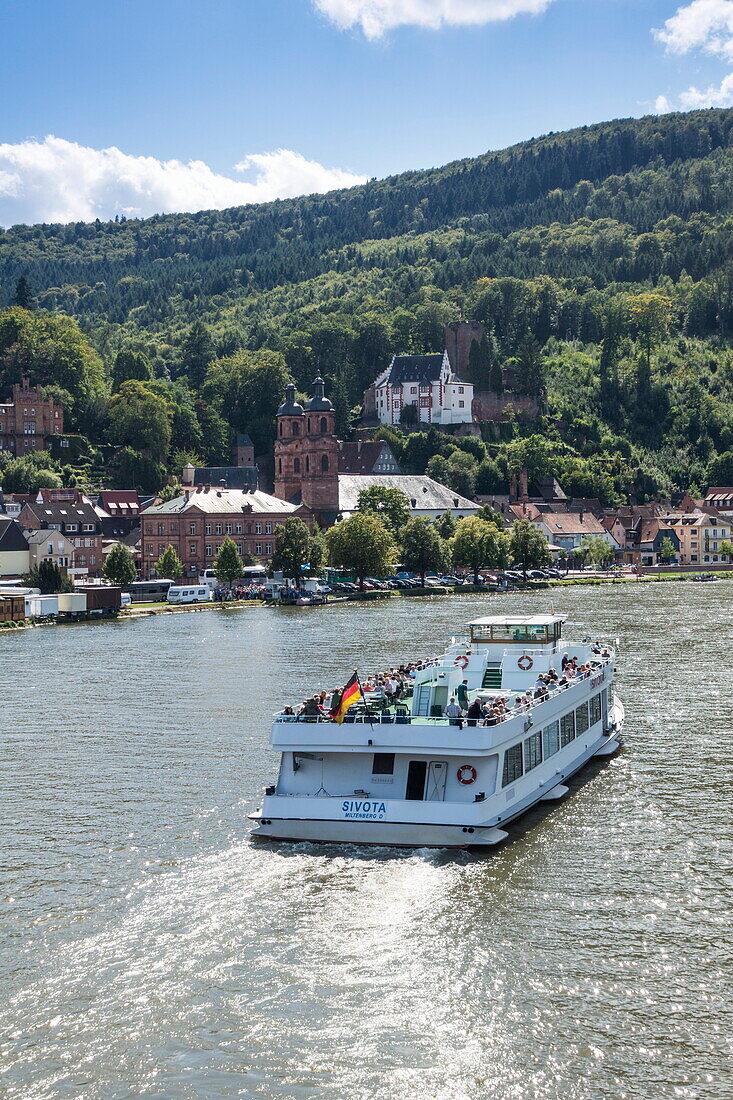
525,662
461,662
467,774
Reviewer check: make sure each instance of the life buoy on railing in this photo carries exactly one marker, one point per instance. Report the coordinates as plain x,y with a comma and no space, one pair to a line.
467,774
525,662
461,662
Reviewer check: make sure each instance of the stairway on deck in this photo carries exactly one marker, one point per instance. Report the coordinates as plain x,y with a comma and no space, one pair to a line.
492,677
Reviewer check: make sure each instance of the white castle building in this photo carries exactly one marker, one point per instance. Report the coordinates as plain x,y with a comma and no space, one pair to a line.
428,382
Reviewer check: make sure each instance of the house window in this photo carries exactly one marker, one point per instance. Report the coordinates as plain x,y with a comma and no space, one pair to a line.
268,528
207,529
324,425
92,559
413,389
307,464
148,528
217,548
218,529
268,548
324,464
258,528
192,549
82,559
239,528
532,751
174,528
229,528
192,528
258,548
383,763
461,404
161,529
280,463
567,729
295,428
512,765
70,527
207,550
88,527
296,465
460,390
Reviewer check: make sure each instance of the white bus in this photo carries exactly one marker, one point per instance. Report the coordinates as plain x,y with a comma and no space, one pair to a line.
189,593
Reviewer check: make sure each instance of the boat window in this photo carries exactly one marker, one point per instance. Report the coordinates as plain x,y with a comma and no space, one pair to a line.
532,751
537,635
551,739
383,763
512,765
595,709
567,729
581,719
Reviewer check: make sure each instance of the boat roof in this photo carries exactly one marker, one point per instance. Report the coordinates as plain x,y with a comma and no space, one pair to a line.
518,620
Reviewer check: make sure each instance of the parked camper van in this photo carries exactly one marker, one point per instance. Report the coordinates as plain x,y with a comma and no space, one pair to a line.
189,593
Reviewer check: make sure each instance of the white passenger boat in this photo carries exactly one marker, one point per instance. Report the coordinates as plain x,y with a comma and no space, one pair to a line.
407,776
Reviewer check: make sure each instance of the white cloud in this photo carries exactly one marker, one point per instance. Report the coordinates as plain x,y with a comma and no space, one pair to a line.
376,17
705,25
702,25
60,181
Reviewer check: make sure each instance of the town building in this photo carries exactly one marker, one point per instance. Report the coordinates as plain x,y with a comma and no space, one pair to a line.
242,474
425,496
308,466
53,546
701,535
78,520
372,456
569,529
721,499
196,523
14,557
28,419
119,511
428,384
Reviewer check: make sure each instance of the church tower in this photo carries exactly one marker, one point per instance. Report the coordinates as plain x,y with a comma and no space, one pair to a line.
289,447
320,454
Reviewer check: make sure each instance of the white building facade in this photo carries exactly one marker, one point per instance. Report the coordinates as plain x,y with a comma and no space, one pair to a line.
427,382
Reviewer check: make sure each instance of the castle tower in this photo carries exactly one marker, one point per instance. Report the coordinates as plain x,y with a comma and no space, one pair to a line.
289,447
319,486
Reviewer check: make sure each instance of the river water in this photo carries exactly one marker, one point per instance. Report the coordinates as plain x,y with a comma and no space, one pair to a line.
149,948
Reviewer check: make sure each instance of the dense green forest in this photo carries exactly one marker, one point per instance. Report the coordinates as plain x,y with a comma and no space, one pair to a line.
600,260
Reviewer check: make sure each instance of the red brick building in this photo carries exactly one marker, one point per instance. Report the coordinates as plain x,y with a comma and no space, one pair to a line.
196,524
307,451
28,420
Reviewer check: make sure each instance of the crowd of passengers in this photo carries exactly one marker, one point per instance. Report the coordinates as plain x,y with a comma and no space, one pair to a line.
492,710
381,687
397,684
239,592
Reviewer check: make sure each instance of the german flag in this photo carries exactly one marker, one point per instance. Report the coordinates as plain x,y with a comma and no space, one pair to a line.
350,695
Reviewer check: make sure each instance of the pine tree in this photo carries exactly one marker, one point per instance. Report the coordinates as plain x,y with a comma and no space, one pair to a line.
23,296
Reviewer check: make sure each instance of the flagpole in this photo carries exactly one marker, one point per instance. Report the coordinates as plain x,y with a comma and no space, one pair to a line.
361,689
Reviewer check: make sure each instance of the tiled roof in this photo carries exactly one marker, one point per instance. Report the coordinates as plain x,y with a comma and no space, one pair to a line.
570,523
361,458
224,501
64,511
11,535
415,368
428,495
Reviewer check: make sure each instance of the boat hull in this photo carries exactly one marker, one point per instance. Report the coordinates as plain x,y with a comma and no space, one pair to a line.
386,834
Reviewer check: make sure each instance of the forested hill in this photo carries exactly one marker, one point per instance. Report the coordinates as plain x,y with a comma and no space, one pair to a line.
600,261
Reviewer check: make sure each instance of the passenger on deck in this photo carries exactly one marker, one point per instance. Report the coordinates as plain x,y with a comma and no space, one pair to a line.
453,712
462,694
311,709
565,661
474,712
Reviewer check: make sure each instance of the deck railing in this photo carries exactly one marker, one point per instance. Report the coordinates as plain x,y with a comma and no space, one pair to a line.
383,718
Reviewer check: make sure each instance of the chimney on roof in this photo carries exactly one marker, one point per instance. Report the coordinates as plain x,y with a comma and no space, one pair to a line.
524,483
581,515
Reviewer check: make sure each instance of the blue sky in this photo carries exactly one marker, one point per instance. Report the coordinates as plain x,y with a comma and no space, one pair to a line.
343,89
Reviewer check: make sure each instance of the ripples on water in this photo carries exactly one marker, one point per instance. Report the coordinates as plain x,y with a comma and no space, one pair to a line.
148,948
